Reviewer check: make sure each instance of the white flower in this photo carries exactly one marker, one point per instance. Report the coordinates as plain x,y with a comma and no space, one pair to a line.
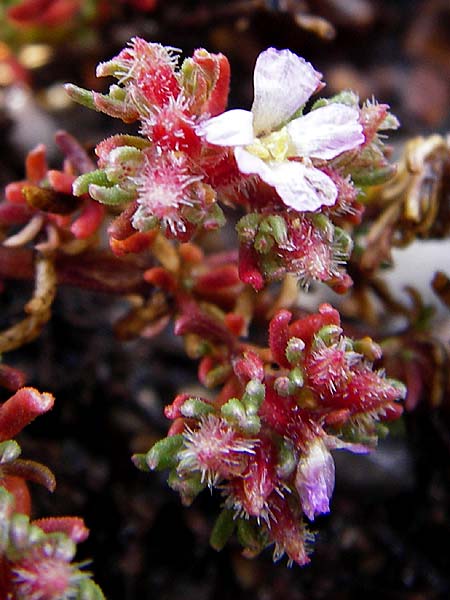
280,151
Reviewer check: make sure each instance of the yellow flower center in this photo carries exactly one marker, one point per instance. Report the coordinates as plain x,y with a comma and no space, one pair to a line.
274,146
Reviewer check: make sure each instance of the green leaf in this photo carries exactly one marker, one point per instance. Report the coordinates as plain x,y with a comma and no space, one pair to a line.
9,451
247,227
164,453
188,487
111,196
88,590
278,229
140,461
368,177
329,334
234,411
251,537
287,459
296,377
81,185
253,396
19,531
80,95
294,350
217,376
263,243
343,242
196,408
223,529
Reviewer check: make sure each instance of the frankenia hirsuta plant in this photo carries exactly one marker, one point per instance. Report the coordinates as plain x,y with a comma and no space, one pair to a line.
297,169
265,440
294,171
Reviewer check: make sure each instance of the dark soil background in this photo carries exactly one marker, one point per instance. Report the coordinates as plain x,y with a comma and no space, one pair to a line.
387,536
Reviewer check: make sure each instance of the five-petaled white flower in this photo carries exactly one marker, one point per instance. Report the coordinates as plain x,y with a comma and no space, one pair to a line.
283,151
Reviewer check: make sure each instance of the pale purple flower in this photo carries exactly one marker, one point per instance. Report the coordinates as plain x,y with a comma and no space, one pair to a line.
314,479
282,151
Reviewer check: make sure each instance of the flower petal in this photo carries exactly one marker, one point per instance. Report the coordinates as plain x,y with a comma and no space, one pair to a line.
283,83
231,128
326,132
314,479
249,164
300,187
334,443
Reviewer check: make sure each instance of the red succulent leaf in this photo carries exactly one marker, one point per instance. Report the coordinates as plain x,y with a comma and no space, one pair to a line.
121,228
73,527
172,129
206,365
13,192
368,391
161,278
74,152
48,13
36,166
173,411
178,426
191,253
277,411
340,284
89,221
14,214
60,181
248,366
279,337
235,323
138,242
307,327
212,83
249,271
22,408
222,277
193,320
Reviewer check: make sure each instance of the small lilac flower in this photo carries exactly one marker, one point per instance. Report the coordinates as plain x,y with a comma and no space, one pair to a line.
314,479
281,149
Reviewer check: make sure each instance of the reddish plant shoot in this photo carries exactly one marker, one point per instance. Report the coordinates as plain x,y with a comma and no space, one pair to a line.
296,167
